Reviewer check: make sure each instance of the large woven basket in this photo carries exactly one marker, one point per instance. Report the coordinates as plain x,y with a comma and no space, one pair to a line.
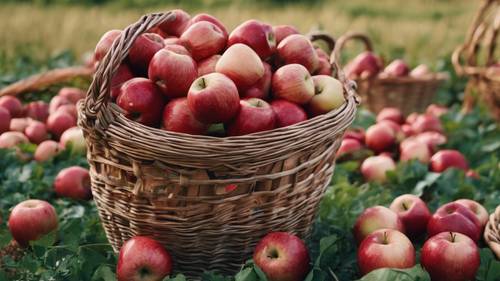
479,52
172,186
409,94
492,232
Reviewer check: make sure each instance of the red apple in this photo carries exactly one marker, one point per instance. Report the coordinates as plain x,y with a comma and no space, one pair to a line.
13,105
203,39
375,218
47,150
328,95
397,68
143,259
455,217
36,132
177,117
74,136
229,64
211,19
19,124
472,174
213,98
385,248
59,122
261,88
282,257
178,49
292,82
411,118
207,65
172,41
324,67
287,113
12,139
348,146
322,54
396,128
105,43
413,212
143,50
448,158
177,26
173,73
32,219
142,101
436,110
37,110
297,48
432,139
257,35
255,115
72,94
73,182
374,168
365,64
427,123
414,149
158,31
122,75
392,114
56,102
70,109
4,120
478,209
421,70
407,130
450,256
283,31
380,137
356,133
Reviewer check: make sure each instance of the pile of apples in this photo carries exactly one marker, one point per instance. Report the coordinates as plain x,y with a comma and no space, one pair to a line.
449,252
368,65
51,126
394,137
188,74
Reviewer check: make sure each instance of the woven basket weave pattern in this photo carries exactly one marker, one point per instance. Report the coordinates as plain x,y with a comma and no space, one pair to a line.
172,186
492,232
409,94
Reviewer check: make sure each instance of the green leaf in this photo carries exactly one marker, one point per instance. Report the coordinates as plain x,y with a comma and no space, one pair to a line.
490,266
104,273
416,273
247,274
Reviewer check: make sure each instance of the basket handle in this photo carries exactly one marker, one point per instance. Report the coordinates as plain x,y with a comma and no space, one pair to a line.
323,36
98,94
367,42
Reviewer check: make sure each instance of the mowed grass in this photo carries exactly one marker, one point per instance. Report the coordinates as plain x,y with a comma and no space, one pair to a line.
419,31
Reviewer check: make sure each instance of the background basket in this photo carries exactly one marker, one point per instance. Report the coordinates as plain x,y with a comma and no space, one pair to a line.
492,232
479,52
409,94
172,186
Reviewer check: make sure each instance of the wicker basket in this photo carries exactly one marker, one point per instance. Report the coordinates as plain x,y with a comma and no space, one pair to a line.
172,186
479,52
409,94
492,232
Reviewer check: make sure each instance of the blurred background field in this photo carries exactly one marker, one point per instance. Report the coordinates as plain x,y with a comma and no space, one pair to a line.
420,31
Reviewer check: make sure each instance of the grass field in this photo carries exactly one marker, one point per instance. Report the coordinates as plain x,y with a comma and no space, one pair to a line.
419,31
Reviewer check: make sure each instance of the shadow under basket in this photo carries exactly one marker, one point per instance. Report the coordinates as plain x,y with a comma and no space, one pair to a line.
208,200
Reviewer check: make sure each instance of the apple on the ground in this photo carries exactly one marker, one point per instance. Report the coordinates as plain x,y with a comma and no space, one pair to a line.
72,94
478,209
73,182
56,102
11,139
391,113
426,123
348,146
47,150
375,218
448,158
13,105
374,168
413,212
36,132
74,137
457,218
37,110
414,149
380,137
60,121
282,257
4,120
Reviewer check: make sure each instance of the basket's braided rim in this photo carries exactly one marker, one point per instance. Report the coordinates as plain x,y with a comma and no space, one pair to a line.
464,57
322,36
492,232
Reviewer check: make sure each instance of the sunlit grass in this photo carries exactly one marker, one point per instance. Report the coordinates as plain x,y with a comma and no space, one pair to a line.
420,31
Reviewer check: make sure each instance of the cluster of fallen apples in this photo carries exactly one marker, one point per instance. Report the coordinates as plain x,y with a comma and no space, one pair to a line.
188,74
394,137
449,252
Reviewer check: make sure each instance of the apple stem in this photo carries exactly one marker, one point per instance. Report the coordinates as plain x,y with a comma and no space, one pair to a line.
453,237
203,84
404,206
385,238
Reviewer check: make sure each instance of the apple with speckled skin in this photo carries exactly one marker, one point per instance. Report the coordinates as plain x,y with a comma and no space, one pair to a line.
257,35
450,256
142,101
282,257
32,219
177,117
374,168
413,212
298,49
293,82
203,39
143,259
255,115
385,248
375,218
173,73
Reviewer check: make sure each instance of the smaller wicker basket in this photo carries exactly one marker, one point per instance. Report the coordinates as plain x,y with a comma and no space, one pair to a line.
474,57
492,232
409,94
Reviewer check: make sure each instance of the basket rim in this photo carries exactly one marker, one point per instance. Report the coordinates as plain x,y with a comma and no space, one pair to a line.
432,78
